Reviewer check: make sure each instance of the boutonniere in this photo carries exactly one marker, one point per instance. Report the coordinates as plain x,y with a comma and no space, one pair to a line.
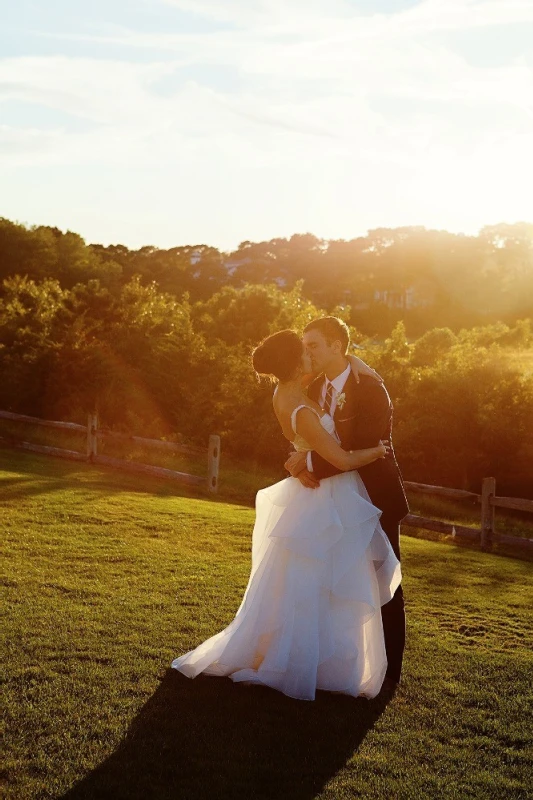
341,399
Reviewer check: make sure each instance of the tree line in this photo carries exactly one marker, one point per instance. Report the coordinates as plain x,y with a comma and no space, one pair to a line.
425,278
77,335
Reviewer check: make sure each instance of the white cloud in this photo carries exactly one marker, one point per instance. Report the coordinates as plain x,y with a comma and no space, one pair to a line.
260,12
423,17
329,107
92,89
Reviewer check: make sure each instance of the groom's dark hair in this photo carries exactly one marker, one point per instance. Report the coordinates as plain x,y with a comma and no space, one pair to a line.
332,329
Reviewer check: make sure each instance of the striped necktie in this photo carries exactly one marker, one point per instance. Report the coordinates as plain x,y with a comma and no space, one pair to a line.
329,398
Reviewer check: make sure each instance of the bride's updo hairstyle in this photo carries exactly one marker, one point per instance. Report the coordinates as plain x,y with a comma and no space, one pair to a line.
279,355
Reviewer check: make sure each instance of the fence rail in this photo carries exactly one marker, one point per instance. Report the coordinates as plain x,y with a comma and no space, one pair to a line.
486,534
48,423
444,491
516,503
95,434
159,444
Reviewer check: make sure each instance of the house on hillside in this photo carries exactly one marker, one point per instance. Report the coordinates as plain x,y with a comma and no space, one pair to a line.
195,257
421,294
233,264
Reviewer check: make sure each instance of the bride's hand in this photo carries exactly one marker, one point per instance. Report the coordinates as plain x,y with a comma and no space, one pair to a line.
385,448
360,368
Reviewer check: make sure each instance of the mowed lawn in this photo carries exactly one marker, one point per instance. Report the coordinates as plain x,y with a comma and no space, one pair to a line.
108,577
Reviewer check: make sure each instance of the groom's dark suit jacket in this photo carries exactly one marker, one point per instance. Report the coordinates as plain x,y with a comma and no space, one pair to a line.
364,419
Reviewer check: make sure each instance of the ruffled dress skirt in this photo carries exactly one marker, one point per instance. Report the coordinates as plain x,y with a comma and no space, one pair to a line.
311,614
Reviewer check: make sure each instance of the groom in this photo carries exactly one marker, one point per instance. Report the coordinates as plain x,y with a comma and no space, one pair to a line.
363,416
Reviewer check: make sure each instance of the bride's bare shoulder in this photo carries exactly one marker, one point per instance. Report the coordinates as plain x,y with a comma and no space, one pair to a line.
283,408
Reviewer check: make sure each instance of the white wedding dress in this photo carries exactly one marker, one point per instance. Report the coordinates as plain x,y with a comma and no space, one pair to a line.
310,617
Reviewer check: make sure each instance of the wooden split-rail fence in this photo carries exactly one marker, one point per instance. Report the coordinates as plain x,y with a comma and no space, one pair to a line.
485,535
94,434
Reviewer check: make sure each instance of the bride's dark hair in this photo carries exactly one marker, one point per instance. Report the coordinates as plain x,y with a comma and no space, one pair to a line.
279,354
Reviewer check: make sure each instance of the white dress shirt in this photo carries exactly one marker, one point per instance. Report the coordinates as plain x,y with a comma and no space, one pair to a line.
337,385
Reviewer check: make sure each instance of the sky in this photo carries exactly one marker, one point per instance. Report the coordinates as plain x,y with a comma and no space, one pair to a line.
174,122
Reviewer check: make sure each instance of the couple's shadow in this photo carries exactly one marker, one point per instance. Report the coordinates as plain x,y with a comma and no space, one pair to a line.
211,738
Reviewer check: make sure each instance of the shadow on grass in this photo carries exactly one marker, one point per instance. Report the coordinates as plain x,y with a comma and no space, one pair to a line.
211,738
45,474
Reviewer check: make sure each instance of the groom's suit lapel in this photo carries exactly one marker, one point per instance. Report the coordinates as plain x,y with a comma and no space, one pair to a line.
348,412
346,417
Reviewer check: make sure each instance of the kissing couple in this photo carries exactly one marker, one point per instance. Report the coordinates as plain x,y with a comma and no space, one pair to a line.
324,606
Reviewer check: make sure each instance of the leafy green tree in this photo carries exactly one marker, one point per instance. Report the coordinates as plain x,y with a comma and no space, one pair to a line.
249,314
27,252
430,347
28,312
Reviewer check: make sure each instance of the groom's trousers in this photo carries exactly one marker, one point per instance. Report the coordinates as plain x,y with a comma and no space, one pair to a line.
393,612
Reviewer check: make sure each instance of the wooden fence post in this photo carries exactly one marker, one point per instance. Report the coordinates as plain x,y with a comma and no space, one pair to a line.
89,436
95,431
488,490
213,459
92,427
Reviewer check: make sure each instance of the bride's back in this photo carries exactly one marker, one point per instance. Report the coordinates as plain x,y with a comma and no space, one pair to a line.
285,405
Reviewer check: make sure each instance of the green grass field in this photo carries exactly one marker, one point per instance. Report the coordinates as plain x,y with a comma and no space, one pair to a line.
108,577
240,481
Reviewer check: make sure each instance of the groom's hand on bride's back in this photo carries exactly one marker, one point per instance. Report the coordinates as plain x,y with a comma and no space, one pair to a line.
307,479
296,464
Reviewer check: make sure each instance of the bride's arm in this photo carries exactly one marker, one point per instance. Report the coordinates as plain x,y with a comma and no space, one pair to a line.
360,368
309,427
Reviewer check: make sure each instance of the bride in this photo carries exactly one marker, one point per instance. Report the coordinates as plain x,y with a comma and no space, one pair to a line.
321,569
